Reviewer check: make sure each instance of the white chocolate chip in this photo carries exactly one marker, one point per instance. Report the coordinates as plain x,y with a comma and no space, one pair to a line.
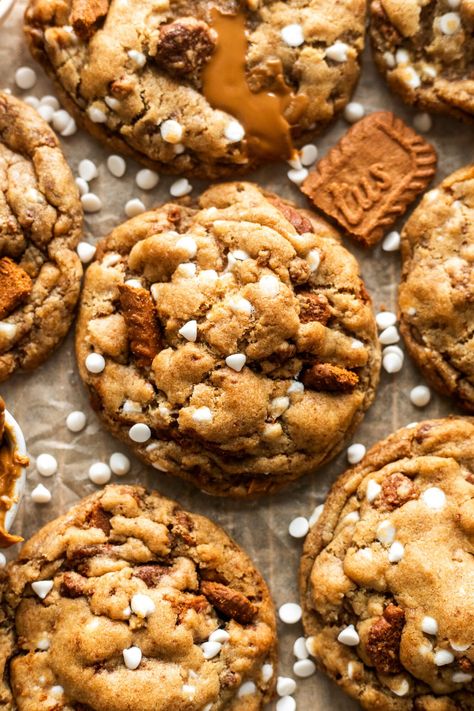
134,207
96,115
391,242
429,625
211,649
61,120
396,552
181,187
86,252
355,453
132,657
304,668
70,129
25,78
46,464
423,122
384,319
95,363
269,285
142,605
41,495
246,689
373,490
402,689
187,269
188,244
316,515
202,415
461,678
138,58
392,362
3,560
43,644
112,103
298,175
87,170
285,686
140,432
434,498
353,112
279,405
91,202
99,473
459,647
119,464
300,650
420,395
402,57
8,330
147,179
234,131
385,532
293,35
236,361
116,165
308,154
299,527
240,305
449,23
189,331
337,51
349,636
411,77
389,335
267,672
171,131
389,60
295,387
290,613
82,185
188,690
220,636
443,657
42,588
314,259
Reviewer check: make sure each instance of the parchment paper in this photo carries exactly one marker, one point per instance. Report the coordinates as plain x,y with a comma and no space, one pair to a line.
41,401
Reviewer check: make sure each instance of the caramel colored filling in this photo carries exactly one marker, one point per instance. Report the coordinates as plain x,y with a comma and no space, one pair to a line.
225,86
11,464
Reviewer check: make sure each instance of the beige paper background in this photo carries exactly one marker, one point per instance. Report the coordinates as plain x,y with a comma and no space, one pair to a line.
41,401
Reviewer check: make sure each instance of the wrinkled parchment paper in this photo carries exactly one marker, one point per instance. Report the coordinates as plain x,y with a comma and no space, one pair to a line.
41,401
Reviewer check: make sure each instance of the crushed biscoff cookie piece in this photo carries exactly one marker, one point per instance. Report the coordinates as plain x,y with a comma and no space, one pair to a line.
128,601
231,342
387,574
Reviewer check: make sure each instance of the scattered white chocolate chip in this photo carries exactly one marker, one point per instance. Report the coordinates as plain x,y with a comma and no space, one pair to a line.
236,361
220,636
133,283
234,131
239,305
187,269
396,552
211,649
420,395
314,259
189,331
459,647
298,175
46,464
140,432
384,319
293,35
116,165
41,495
188,690
429,625
132,657
285,686
337,51
61,120
385,532
70,129
96,115
434,498
449,23
112,103
42,588
349,636
95,363
202,415
246,689
82,186
299,527
171,131
308,154
373,490
402,689
290,613
443,657
99,473
138,58
57,690
188,244
299,648
25,78
392,362
181,187
391,243
267,672
304,668
91,202
31,101
355,453
423,122
142,605
353,112
286,703
147,179
46,112
269,285
316,515
389,335
87,170
119,464
76,421
295,387
85,252
134,207
50,100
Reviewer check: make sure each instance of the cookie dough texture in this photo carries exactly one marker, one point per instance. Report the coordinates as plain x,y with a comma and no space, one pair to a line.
124,68
191,579
425,50
410,500
40,226
436,297
174,292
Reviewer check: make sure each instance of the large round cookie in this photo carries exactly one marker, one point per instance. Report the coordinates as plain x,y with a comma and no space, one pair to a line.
231,343
425,50
129,602
40,225
200,88
436,297
387,575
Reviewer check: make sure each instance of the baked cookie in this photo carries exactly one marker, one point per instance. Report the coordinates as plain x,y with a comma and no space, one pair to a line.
128,601
387,575
436,298
40,226
231,342
425,50
206,89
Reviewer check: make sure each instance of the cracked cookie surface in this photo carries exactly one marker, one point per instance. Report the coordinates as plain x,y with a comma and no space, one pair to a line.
231,343
128,570
40,226
387,574
126,69
425,51
436,296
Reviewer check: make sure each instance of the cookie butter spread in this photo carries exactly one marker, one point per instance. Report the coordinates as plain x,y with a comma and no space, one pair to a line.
11,463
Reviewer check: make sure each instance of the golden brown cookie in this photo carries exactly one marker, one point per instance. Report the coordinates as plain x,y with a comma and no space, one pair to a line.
40,226
387,574
436,297
231,343
200,88
127,601
369,179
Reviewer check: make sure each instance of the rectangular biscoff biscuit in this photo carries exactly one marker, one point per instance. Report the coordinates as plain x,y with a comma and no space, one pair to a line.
15,286
368,180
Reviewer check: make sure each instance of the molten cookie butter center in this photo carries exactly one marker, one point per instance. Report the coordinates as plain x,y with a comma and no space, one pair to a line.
225,86
11,463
